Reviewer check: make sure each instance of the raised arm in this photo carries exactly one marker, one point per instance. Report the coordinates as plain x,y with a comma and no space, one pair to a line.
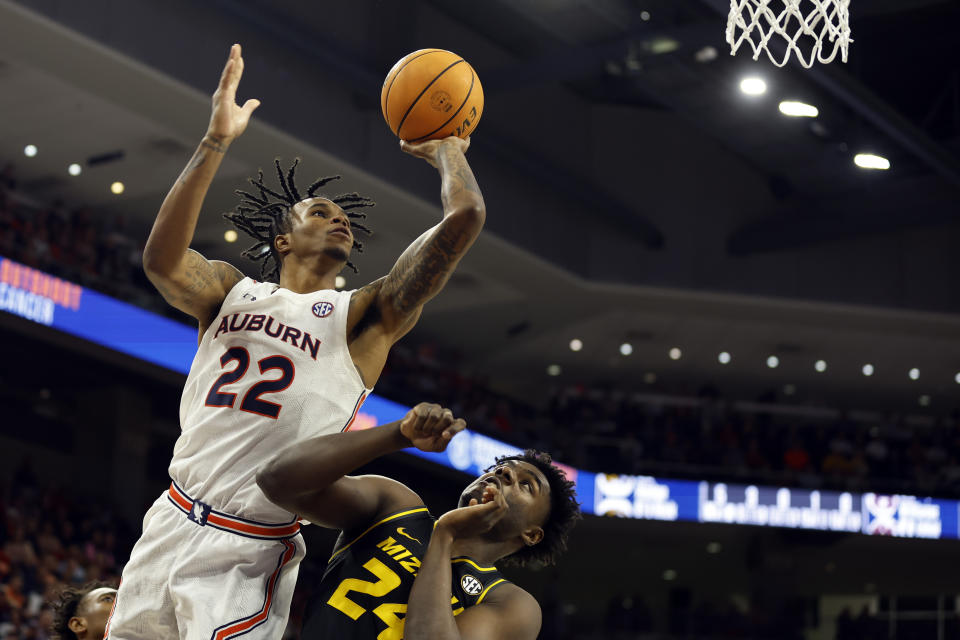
184,278
310,478
424,268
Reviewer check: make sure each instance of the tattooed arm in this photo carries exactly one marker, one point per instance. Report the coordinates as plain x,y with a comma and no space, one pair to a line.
424,268
186,279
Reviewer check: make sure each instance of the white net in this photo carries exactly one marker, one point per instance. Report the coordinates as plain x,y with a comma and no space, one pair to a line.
812,30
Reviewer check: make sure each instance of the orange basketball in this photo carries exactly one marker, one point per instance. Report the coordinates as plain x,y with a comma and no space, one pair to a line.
431,94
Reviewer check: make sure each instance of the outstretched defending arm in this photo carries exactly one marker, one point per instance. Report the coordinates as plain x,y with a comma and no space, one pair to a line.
310,478
184,278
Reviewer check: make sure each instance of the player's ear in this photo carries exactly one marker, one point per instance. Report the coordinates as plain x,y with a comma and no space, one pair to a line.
282,244
532,536
77,624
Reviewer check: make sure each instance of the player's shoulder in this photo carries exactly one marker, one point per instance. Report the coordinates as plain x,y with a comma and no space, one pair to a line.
228,274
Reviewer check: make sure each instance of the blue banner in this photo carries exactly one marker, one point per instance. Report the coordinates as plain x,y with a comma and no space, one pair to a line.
70,308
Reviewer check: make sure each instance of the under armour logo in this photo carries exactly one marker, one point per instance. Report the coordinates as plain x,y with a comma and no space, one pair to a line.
199,512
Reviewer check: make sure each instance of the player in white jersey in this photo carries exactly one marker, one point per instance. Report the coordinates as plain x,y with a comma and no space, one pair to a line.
277,363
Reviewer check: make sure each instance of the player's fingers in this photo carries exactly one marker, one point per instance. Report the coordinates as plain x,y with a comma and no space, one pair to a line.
458,425
250,106
224,77
432,419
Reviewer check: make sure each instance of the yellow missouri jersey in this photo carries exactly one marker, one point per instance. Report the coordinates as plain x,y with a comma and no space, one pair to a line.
364,591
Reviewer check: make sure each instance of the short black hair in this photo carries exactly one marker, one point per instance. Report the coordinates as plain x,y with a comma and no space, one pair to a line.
66,607
267,215
564,512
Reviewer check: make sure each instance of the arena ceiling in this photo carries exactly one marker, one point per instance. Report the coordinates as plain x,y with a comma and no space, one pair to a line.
634,193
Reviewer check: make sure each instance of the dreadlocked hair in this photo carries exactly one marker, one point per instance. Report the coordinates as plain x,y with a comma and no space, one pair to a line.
68,601
564,512
266,214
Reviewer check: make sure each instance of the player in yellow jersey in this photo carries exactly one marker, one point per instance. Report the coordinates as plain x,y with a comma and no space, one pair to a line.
396,571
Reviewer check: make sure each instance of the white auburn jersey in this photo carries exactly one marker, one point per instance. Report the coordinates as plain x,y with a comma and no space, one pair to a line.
272,369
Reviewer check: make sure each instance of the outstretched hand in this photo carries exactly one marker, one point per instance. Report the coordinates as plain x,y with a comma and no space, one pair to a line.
430,427
479,516
430,149
228,119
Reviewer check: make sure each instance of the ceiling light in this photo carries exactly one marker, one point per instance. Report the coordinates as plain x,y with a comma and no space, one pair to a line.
576,344
553,370
340,282
724,357
675,353
626,349
650,377
820,366
230,235
867,370
773,362
924,401
798,109
707,54
870,161
669,575
956,378
30,150
914,374
645,16
714,547
789,389
74,169
753,86
662,45
117,188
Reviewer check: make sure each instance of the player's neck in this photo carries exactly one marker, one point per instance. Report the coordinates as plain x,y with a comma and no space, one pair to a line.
484,552
318,272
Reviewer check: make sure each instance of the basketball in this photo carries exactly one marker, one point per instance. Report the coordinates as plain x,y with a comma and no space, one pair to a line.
431,94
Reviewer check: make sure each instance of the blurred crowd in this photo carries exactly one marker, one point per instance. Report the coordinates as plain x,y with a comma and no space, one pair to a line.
600,430
50,540
73,244
695,437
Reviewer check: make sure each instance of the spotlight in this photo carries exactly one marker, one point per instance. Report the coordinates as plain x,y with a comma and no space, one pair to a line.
669,575
724,357
753,86
341,282
773,362
798,109
650,377
867,370
820,366
230,235
645,16
576,344
117,188
914,374
30,150
705,55
870,161
789,389
675,353
924,401
956,378
626,349
74,169
714,547
553,370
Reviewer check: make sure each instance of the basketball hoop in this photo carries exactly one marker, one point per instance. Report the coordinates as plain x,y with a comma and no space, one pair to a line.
817,36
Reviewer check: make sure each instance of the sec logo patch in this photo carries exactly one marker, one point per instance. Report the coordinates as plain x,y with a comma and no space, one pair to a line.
470,585
322,309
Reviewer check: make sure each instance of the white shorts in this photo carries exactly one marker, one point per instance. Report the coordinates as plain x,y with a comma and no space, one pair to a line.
196,574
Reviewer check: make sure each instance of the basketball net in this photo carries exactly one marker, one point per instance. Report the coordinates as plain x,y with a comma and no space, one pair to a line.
823,31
